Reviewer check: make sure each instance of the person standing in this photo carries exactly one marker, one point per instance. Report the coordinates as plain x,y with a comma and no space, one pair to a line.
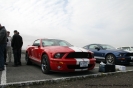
5,53
9,48
16,43
3,42
19,60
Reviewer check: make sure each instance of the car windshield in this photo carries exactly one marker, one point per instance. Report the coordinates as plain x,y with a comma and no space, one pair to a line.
107,47
126,48
55,42
132,48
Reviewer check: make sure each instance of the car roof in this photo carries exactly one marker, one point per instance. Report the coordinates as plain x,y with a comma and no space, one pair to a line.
97,44
124,46
49,38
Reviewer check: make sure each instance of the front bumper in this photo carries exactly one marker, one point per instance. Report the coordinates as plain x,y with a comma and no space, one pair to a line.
124,60
70,65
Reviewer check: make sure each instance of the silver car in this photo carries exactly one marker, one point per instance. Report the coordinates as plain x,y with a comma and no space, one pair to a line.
126,48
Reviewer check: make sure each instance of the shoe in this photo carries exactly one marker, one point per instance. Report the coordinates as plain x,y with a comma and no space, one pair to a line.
1,69
14,65
6,64
19,65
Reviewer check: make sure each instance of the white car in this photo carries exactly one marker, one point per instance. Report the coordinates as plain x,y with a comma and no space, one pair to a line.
126,48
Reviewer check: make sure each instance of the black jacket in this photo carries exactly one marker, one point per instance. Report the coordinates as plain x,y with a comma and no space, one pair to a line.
17,41
3,35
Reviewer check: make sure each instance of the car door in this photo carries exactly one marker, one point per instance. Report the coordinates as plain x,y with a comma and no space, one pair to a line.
98,52
36,49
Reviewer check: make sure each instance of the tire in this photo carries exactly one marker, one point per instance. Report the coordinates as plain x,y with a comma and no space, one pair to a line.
28,62
110,59
45,65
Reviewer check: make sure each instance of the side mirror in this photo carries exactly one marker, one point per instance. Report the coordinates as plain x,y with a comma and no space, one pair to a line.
97,48
36,44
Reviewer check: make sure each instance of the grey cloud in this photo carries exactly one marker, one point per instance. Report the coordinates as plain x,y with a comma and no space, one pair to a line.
92,21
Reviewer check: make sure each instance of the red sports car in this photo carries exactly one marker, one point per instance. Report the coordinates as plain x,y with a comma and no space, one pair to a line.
59,55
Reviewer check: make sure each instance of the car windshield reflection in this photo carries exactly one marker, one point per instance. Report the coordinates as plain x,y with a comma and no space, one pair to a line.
55,42
106,47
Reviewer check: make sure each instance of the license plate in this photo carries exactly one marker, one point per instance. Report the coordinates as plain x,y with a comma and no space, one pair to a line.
83,64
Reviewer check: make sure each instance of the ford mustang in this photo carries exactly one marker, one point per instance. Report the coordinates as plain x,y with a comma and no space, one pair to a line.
60,56
109,54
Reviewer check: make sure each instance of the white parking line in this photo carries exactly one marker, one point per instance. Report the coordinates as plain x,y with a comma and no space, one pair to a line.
3,77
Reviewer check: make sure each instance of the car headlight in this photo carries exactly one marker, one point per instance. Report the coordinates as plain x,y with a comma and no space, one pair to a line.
58,55
121,54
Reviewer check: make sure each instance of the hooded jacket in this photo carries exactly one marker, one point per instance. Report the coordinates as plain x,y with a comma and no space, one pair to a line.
3,35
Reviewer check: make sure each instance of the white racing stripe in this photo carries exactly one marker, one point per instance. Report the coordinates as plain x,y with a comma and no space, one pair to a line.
3,77
81,69
78,60
85,69
75,49
83,50
86,59
99,57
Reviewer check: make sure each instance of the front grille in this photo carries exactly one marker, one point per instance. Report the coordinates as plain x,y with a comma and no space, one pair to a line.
129,54
77,66
79,55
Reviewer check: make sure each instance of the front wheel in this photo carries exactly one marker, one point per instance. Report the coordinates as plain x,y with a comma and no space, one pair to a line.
45,65
110,59
28,62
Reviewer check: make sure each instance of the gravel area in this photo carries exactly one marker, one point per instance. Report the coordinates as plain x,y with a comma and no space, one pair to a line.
118,80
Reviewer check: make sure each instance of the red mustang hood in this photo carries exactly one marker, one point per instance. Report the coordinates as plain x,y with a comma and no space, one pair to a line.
65,49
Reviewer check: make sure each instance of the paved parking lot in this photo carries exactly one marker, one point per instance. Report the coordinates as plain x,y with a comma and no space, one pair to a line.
33,72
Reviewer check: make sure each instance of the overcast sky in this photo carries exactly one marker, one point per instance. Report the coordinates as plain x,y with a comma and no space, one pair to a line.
80,22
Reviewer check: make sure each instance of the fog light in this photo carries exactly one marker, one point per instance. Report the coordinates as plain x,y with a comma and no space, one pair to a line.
122,58
59,67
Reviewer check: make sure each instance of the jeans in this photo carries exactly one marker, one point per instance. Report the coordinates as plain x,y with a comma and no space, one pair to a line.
17,56
2,50
9,53
5,55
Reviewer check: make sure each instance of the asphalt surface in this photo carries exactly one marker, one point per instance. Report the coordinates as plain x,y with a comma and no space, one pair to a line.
33,72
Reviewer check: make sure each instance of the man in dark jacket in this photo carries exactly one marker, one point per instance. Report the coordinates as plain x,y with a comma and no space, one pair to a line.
3,42
16,43
5,54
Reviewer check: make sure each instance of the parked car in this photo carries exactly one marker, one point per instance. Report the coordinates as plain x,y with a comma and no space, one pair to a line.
59,55
109,54
126,48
